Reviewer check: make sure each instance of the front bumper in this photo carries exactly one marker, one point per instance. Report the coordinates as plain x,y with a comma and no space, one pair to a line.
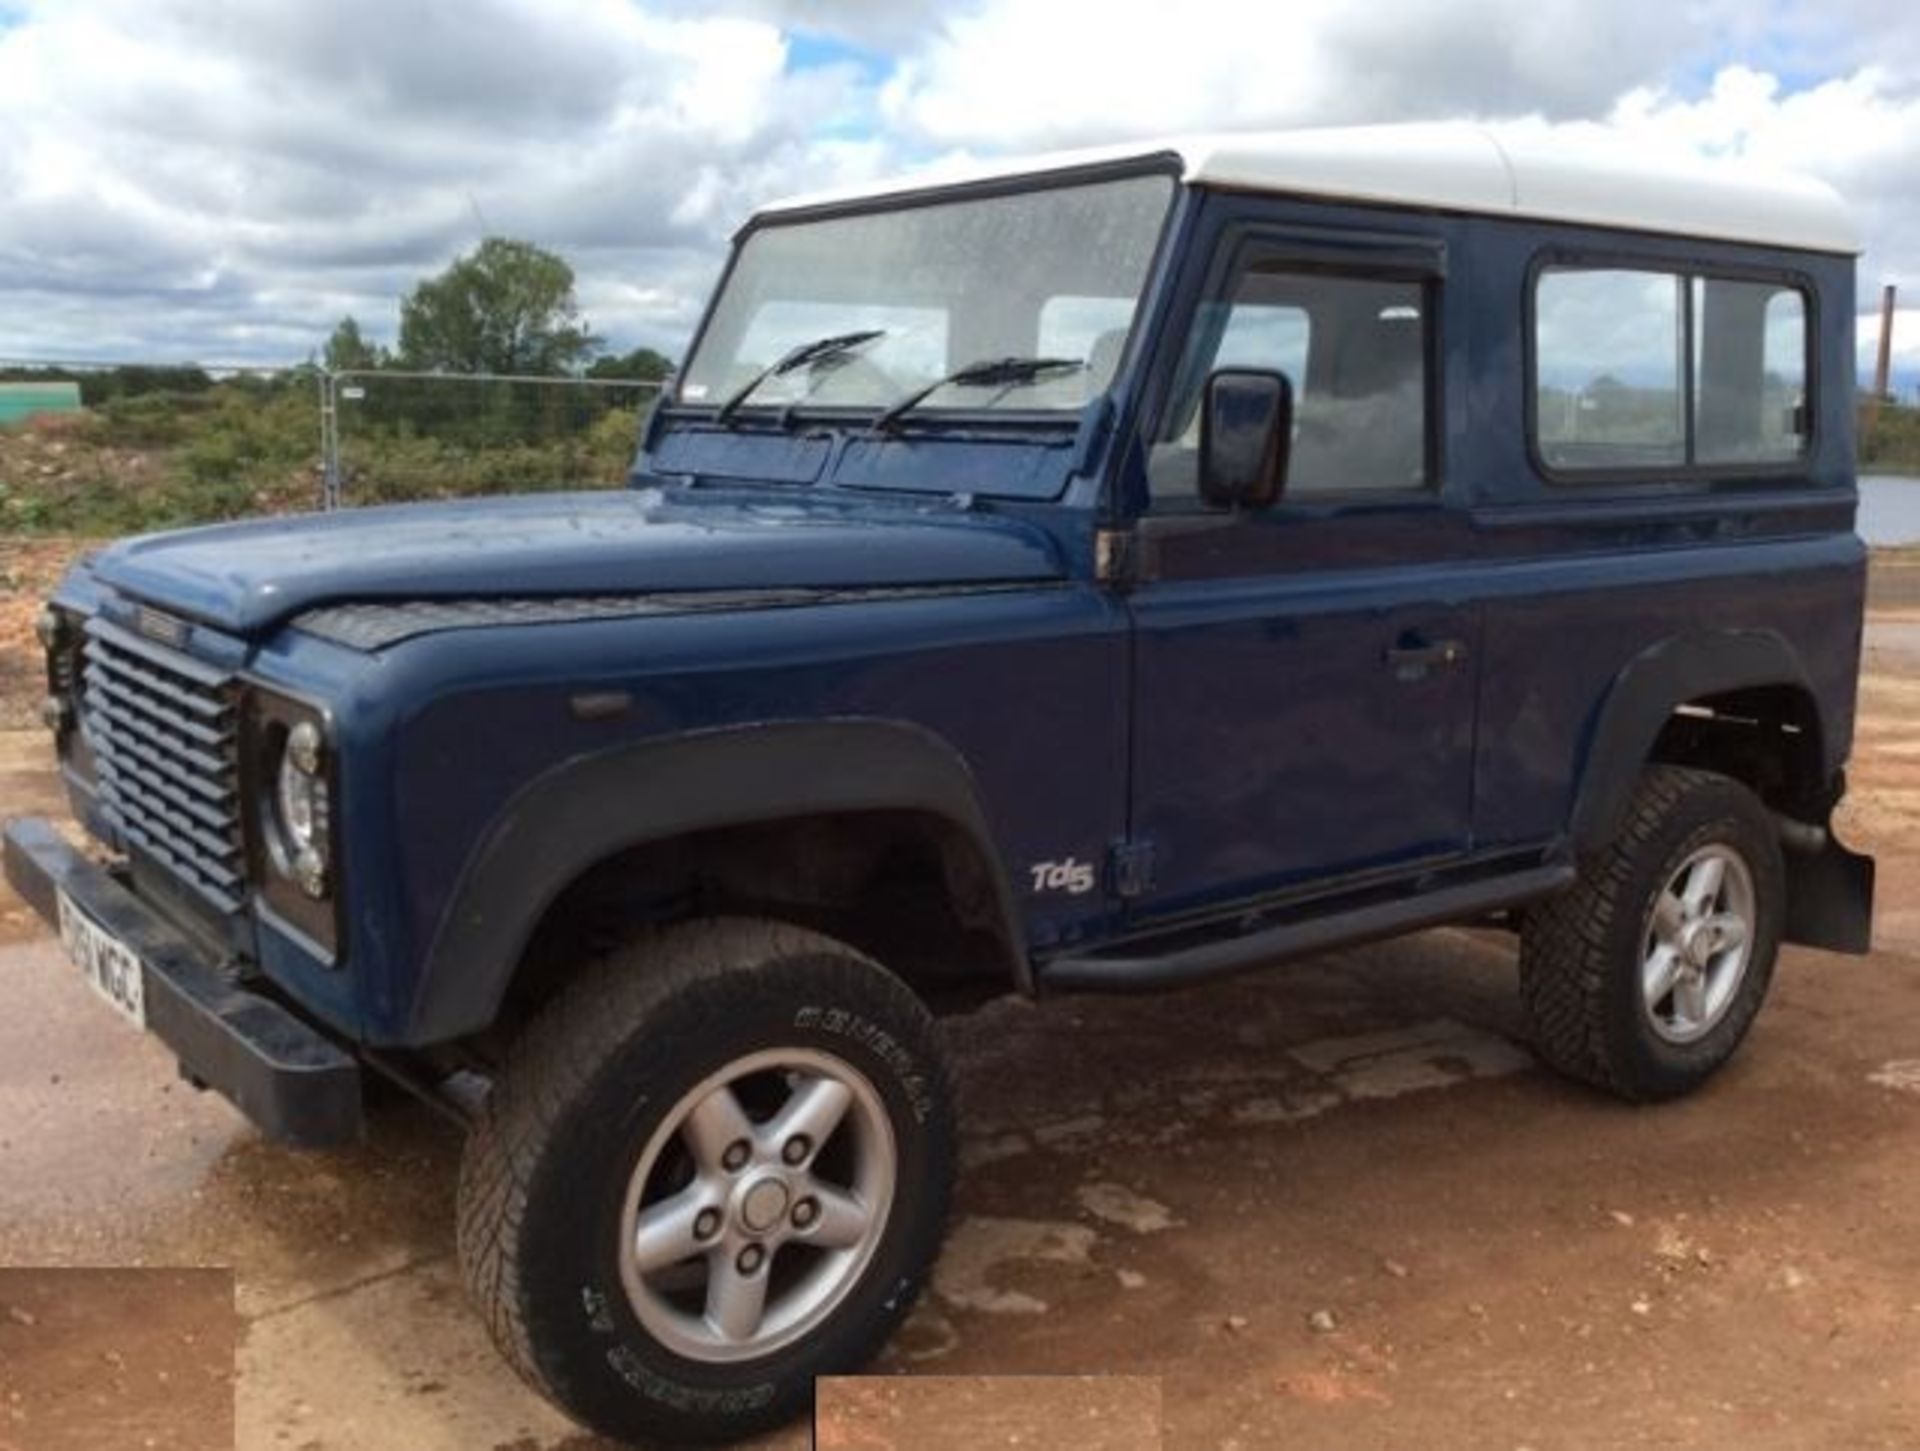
300,1086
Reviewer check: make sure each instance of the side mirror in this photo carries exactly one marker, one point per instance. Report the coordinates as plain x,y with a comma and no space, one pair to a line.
1246,431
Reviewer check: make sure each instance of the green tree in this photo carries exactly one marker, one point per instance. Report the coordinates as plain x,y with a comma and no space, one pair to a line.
506,307
348,351
642,363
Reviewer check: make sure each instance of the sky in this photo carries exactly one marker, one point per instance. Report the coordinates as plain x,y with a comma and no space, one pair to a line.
222,180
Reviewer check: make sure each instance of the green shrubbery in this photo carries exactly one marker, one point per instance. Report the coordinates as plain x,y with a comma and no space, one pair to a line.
391,463
165,457
169,456
1892,444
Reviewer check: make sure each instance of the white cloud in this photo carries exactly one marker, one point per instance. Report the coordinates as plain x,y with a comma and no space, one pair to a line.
197,178
223,181
1859,131
1079,70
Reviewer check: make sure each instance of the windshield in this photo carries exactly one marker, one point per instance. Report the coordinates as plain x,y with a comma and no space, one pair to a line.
1054,273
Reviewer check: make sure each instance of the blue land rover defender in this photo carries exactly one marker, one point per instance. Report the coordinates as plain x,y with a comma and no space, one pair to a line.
1092,575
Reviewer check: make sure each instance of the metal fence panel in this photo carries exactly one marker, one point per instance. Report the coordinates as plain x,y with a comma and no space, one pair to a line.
405,436
157,445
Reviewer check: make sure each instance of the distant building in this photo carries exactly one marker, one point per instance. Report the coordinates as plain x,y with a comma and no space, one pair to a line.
21,401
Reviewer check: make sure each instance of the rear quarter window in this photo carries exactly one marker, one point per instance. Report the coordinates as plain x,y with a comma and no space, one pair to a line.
1660,372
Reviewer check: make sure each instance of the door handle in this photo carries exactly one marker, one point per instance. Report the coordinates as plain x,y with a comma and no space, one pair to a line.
1412,659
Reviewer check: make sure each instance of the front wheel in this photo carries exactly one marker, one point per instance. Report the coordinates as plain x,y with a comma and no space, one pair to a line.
1644,977
716,1167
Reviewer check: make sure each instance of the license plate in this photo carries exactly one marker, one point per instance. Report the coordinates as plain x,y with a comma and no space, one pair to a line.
106,962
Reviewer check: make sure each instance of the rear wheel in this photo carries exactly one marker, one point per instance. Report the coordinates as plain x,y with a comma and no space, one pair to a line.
715,1168
1645,976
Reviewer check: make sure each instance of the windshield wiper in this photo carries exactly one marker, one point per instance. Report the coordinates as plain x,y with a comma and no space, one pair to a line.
817,351
1001,373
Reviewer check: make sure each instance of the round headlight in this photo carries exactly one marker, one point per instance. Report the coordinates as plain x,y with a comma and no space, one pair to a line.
297,801
301,809
304,745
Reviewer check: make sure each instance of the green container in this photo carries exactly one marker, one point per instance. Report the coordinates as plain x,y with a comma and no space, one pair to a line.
20,401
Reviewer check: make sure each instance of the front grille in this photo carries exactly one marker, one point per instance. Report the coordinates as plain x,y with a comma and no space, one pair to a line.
163,728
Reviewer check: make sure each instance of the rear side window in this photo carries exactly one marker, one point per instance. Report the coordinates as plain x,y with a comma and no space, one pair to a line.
1609,349
1640,370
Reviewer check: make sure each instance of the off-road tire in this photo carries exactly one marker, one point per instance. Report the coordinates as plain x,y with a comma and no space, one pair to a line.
1581,951
590,1079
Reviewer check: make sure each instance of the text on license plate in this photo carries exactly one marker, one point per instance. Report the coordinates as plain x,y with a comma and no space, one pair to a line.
108,963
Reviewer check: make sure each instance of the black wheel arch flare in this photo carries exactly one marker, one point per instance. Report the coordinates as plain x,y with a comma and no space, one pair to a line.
586,810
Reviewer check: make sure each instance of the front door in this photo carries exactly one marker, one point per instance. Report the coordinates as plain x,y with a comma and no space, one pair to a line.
1304,675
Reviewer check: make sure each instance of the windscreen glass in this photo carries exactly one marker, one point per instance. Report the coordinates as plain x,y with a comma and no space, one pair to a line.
1053,273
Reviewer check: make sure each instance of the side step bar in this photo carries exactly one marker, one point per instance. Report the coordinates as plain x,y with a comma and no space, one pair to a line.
1138,971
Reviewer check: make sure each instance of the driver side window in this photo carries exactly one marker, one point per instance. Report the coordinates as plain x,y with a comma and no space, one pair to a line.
1355,350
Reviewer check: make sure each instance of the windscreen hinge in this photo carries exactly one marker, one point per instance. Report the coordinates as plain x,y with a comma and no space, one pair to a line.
1118,556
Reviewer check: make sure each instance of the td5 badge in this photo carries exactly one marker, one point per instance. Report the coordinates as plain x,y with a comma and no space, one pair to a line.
1072,876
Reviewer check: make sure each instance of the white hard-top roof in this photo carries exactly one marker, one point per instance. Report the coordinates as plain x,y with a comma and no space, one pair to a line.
1565,176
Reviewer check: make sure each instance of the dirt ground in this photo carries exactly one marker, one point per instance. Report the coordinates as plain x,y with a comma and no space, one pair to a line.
965,1412
1334,1205
94,1358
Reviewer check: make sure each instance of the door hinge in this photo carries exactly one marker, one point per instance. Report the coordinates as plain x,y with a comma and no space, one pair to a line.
1130,868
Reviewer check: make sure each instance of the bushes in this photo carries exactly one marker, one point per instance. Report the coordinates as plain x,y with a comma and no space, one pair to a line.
155,460
166,456
434,438
1893,444
405,466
